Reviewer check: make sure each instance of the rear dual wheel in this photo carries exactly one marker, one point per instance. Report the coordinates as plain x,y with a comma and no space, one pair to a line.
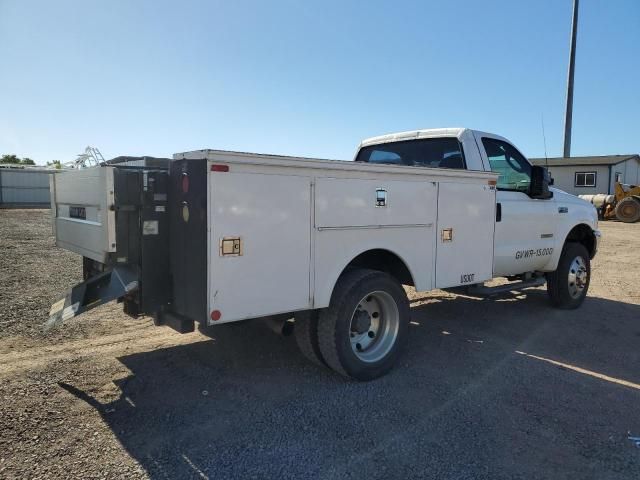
305,330
363,331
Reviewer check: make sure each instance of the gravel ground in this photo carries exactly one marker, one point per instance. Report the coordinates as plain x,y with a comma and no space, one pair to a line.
504,388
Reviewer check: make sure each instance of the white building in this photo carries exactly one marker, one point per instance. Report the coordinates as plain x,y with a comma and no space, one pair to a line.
588,175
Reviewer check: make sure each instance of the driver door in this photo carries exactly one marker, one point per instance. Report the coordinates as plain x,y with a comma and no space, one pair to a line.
525,227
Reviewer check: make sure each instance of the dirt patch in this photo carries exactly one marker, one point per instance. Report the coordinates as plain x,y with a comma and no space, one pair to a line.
35,274
503,388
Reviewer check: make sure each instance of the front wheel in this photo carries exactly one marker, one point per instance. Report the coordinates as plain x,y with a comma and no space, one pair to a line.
364,330
568,285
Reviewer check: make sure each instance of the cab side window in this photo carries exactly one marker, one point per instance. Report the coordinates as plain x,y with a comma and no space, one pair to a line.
513,168
428,152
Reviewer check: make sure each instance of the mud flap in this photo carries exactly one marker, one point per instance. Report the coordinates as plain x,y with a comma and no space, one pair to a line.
89,294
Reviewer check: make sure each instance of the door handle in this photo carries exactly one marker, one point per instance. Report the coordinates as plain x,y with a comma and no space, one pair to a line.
498,212
563,209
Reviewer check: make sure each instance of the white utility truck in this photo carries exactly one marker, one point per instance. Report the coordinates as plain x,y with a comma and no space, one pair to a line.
216,237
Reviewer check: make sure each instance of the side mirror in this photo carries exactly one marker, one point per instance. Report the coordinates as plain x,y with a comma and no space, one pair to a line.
540,180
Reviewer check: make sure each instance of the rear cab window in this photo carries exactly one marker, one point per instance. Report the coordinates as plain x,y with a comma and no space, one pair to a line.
428,152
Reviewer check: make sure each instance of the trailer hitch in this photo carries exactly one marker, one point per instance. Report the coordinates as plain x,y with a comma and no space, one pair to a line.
94,291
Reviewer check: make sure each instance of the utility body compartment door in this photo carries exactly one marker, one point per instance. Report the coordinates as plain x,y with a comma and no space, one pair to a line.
466,220
259,244
355,215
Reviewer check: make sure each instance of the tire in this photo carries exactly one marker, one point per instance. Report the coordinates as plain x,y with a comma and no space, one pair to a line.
364,330
305,330
628,210
568,285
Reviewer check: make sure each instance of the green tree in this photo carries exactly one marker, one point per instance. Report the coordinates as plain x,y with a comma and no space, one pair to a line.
9,159
27,161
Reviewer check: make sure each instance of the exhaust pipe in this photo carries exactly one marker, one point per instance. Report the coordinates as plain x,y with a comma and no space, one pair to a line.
280,324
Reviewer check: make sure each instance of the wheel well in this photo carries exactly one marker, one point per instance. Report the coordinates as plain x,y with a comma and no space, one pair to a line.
383,261
583,234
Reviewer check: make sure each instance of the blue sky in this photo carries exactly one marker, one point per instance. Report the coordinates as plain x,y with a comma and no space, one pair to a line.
310,78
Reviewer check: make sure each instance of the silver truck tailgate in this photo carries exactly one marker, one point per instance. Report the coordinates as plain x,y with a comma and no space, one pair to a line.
83,221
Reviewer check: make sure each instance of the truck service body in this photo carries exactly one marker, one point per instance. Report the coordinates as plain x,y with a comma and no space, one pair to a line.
215,237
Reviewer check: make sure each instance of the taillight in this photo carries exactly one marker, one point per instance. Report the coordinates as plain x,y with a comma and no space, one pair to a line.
185,183
219,168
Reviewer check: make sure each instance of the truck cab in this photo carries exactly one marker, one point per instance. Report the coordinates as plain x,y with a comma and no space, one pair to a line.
532,221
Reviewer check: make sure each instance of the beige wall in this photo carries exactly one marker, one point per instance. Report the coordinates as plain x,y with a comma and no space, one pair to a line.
564,178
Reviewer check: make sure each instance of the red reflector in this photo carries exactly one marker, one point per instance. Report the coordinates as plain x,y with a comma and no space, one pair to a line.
185,183
216,315
219,168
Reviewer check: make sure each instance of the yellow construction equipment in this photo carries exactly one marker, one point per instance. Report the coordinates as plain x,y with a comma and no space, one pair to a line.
627,207
624,205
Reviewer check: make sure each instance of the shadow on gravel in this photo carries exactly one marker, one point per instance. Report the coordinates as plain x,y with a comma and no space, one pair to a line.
461,403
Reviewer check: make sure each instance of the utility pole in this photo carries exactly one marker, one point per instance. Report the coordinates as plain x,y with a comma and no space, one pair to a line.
568,116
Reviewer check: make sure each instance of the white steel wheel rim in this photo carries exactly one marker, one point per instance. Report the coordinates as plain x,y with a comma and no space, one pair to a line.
578,277
374,326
